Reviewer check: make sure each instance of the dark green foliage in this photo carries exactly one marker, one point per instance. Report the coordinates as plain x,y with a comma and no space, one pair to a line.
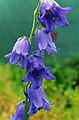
66,72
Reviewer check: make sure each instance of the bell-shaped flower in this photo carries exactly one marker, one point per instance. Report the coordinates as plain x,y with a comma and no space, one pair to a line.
19,114
20,52
51,14
37,100
44,43
37,71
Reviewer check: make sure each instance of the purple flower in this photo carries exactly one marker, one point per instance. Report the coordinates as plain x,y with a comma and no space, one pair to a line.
51,14
37,71
44,42
20,52
37,100
19,115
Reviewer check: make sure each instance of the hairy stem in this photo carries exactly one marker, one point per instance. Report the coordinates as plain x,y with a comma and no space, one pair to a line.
34,22
26,115
26,108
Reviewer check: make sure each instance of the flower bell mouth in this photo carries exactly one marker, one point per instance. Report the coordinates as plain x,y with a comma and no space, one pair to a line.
48,12
37,71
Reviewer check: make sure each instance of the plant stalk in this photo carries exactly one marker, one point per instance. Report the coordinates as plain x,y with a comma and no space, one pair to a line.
26,115
34,22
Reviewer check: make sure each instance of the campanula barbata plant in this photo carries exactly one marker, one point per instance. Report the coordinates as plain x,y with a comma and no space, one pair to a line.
49,14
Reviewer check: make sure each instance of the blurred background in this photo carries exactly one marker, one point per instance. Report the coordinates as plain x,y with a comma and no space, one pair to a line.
15,21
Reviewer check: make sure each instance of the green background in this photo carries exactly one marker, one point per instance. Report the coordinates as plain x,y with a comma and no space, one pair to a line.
16,20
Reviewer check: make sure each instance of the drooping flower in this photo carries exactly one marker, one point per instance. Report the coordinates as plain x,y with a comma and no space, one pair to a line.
37,100
44,42
20,52
19,114
51,14
37,71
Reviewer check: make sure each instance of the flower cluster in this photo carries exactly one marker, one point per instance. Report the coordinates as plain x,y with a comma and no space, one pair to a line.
51,14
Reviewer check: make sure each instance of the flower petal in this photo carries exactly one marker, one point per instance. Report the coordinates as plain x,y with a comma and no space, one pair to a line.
13,58
42,8
36,82
51,48
40,52
50,24
34,96
8,55
22,62
47,75
64,10
62,21
25,47
19,114
27,78
32,109
49,68
48,4
46,105
41,39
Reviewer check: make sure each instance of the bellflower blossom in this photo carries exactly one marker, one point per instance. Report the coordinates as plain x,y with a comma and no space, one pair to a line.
19,114
20,52
44,42
51,14
37,71
37,99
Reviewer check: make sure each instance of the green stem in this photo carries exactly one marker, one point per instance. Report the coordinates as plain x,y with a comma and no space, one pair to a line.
34,23
26,115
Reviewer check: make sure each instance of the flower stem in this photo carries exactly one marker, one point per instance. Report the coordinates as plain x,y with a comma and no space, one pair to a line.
26,108
34,22
26,115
